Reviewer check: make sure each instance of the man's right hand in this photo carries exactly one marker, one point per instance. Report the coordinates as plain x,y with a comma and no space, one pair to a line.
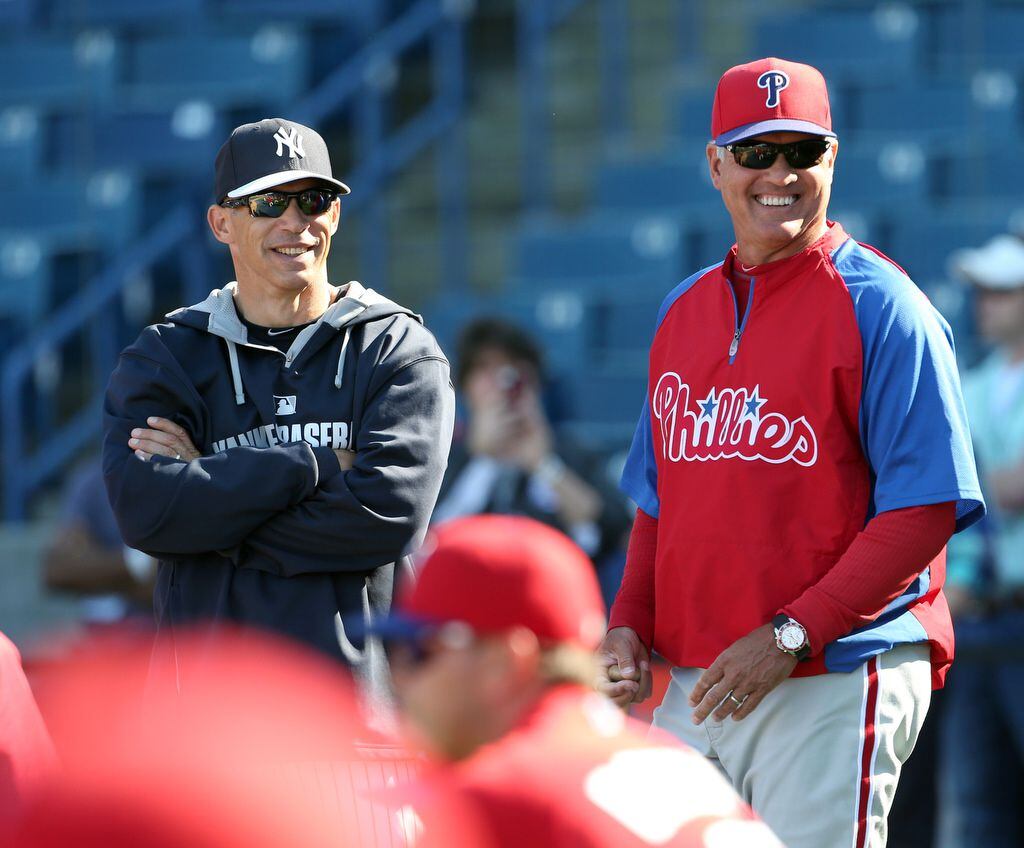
346,458
624,667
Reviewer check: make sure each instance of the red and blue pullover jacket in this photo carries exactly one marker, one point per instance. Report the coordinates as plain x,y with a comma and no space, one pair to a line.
774,430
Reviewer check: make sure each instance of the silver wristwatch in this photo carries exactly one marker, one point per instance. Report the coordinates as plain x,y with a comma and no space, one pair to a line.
791,636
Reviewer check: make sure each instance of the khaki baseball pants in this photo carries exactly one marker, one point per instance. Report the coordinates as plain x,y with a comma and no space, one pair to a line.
819,758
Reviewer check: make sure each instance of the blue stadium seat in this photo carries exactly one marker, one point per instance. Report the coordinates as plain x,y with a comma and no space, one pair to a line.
707,239
561,322
17,14
880,44
670,183
25,279
600,254
267,67
127,13
22,145
356,12
605,397
559,319
101,211
693,112
624,325
176,142
72,73
973,35
974,172
945,110
883,169
921,239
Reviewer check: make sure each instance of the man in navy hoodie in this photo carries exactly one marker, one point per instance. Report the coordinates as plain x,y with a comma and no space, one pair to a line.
279,447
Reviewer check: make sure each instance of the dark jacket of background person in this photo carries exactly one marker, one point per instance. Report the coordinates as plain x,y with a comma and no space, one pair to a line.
514,493
264,528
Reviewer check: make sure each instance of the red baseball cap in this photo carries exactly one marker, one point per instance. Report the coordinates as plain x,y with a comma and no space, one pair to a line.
770,95
497,572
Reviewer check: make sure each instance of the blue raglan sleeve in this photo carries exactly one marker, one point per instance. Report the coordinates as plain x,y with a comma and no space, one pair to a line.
640,473
167,507
378,510
913,420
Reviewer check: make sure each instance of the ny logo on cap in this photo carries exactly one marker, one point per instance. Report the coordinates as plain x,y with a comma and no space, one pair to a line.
293,140
775,82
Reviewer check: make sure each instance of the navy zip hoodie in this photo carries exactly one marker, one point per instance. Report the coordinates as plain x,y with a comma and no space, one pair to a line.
264,529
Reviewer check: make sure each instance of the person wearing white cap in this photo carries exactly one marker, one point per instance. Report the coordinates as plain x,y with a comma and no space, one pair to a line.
983,728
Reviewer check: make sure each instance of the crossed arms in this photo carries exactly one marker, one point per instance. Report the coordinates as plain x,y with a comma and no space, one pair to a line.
286,509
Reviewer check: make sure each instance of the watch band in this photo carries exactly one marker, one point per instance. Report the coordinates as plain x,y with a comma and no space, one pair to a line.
784,621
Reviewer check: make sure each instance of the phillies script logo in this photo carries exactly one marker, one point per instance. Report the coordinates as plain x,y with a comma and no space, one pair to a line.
727,424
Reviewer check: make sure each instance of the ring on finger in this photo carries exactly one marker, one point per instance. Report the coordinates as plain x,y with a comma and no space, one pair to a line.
737,701
177,456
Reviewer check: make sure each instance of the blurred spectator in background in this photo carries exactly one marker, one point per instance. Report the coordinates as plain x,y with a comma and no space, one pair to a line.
87,557
983,743
508,460
493,663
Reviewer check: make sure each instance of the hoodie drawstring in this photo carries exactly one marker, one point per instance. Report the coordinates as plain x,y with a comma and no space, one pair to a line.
341,357
236,375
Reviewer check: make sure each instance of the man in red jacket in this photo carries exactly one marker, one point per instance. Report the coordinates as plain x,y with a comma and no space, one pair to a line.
493,664
800,462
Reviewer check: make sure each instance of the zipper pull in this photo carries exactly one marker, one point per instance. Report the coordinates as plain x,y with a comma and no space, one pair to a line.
735,346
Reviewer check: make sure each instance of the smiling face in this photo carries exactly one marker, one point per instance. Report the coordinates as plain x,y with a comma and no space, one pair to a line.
278,257
776,212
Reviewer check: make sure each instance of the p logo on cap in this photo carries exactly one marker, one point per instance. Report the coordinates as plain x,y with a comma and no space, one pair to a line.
774,81
770,95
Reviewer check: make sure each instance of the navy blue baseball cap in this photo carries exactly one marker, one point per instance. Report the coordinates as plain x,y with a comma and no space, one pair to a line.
269,153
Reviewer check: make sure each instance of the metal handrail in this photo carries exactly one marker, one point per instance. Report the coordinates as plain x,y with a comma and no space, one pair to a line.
440,21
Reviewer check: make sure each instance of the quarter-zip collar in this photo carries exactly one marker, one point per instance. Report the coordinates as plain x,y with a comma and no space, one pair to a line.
766,276
770,274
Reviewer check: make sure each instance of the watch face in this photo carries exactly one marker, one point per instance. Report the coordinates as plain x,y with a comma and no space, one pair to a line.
791,636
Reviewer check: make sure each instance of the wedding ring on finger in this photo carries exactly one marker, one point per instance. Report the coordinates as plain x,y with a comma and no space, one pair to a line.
737,701
177,456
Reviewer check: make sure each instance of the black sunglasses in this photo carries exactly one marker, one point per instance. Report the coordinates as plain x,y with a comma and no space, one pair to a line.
761,155
272,204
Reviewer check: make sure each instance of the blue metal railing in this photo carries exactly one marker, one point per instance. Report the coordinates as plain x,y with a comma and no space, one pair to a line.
364,82
536,21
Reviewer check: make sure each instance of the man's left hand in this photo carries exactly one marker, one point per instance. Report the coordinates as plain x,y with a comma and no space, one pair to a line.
162,438
742,675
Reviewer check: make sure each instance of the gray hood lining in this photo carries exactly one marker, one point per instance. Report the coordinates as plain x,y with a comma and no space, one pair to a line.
357,302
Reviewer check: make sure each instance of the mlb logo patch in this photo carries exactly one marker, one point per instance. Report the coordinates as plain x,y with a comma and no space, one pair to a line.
284,404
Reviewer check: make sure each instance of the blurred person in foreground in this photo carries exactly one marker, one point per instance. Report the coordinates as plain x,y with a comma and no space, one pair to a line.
508,459
982,773
262,747
802,458
27,757
494,669
279,447
88,559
